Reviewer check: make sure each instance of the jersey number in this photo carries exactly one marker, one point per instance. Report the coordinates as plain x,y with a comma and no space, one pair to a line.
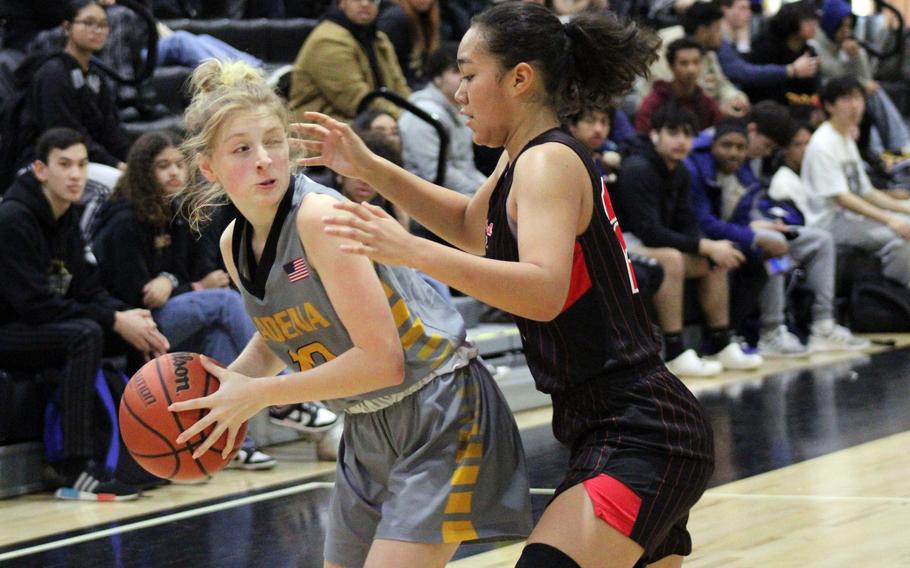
310,355
614,223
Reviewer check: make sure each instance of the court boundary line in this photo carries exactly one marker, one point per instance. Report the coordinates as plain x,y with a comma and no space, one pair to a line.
822,498
180,515
145,523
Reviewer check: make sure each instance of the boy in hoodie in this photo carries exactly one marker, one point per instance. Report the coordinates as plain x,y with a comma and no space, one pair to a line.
725,195
652,204
53,310
684,57
842,55
420,141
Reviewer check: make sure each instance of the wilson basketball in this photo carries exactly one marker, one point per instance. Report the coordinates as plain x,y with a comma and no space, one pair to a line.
150,430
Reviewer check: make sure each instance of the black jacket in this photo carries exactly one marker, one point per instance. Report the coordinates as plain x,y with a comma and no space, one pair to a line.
60,94
131,252
44,274
652,202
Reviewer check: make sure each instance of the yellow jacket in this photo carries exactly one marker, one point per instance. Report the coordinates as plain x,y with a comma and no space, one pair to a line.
332,73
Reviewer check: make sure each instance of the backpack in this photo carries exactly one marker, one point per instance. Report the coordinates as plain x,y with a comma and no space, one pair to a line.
109,448
879,307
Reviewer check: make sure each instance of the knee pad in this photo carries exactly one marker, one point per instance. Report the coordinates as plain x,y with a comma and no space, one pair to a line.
539,555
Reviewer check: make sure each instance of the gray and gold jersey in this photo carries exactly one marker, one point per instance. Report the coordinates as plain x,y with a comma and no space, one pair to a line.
289,305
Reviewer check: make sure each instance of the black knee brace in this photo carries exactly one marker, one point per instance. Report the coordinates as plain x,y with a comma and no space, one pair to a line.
539,555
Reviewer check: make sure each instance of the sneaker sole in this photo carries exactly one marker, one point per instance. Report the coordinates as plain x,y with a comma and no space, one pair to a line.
252,466
305,429
70,494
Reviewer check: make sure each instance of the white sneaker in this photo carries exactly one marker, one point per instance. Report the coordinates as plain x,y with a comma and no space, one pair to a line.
733,358
829,336
781,343
689,364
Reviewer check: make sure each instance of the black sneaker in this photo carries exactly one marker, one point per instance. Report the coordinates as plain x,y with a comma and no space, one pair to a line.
308,417
95,484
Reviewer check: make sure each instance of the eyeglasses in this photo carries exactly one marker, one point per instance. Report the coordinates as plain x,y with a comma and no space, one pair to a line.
96,25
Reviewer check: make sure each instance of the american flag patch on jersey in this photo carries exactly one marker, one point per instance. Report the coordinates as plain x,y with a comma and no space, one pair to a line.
297,270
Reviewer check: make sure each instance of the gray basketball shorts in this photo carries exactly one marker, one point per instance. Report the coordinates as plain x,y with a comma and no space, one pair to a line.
443,465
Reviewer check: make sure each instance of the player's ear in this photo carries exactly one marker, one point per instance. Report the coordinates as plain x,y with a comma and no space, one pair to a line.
205,166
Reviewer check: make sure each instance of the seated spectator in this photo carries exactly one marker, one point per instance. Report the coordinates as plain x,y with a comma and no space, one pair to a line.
344,58
729,203
592,128
420,141
376,120
68,90
842,55
55,313
145,254
702,23
785,41
414,28
736,26
684,56
838,194
652,205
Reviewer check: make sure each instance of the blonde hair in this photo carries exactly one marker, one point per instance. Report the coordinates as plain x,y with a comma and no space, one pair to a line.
219,89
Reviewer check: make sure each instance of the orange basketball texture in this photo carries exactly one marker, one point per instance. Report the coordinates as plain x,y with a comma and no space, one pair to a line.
150,430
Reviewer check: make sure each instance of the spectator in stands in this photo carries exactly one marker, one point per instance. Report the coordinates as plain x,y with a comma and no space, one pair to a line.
344,58
684,56
420,141
730,204
53,310
68,90
414,28
377,120
838,194
736,26
702,23
785,41
592,128
842,55
652,205
754,77
146,254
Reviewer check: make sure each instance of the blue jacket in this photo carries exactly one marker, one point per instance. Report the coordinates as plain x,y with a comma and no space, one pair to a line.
705,194
746,74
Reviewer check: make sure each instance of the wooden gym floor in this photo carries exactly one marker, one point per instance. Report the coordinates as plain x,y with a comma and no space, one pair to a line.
812,462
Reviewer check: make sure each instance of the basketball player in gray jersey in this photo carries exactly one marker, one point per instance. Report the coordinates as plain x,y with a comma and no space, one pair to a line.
430,456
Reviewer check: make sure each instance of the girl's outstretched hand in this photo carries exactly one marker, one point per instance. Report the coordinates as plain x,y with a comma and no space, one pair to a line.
230,406
375,233
335,145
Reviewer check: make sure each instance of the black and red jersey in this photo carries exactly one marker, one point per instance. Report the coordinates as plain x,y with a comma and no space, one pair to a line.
603,329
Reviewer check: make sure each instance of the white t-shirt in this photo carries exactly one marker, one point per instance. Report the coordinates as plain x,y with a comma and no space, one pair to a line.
831,166
786,184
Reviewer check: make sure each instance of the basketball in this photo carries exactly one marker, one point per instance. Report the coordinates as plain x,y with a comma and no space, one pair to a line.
150,430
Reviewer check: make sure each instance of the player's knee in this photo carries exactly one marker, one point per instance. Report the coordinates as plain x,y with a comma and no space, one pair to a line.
540,555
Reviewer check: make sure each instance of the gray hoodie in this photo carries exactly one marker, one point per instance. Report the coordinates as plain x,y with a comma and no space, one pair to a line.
420,143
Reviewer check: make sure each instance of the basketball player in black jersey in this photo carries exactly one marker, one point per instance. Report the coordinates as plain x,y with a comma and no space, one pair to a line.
548,249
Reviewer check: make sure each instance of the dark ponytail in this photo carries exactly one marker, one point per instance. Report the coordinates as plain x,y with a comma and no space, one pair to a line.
586,63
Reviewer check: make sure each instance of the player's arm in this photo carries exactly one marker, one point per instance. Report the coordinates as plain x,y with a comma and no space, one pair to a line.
458,219
376,360
548,196
866,208
454,217
256,359
884,201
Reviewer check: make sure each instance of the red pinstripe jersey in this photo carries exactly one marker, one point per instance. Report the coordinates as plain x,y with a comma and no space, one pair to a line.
603,328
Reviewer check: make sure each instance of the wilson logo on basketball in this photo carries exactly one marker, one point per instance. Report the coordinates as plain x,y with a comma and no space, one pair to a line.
144,391
183,377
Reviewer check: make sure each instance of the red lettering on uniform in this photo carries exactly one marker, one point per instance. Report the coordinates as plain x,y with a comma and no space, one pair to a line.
580,281
614,223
